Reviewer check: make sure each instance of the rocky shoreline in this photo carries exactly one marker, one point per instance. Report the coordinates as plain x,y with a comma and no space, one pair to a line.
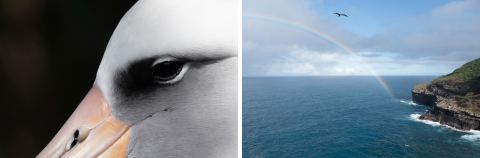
445,106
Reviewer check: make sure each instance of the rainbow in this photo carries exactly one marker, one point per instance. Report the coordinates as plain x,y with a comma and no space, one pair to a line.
327,38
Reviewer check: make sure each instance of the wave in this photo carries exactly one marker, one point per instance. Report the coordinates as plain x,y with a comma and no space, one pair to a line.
416,117
473,135
408,102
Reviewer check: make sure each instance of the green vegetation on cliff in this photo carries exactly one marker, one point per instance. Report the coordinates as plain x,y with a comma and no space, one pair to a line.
467,72
464,83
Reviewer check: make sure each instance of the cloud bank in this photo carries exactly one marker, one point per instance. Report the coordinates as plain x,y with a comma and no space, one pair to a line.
430,44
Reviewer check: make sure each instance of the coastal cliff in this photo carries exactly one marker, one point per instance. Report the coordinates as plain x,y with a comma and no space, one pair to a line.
454,99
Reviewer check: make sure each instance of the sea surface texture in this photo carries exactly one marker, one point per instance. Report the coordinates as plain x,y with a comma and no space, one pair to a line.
344,116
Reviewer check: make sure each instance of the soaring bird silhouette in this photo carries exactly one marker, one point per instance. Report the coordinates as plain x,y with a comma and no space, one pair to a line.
340,14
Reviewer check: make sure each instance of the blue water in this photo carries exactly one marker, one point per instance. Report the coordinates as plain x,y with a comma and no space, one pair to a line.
344,117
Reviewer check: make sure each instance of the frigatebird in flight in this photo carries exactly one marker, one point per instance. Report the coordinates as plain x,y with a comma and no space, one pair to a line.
340,14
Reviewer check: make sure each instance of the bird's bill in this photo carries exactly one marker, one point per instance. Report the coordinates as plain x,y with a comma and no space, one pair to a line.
100,134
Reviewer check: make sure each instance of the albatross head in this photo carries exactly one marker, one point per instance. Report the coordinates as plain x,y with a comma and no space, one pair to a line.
166,87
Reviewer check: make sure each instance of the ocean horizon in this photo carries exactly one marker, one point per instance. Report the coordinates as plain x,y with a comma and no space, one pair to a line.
344,116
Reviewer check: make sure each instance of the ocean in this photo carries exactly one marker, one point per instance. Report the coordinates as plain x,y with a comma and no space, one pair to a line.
344,116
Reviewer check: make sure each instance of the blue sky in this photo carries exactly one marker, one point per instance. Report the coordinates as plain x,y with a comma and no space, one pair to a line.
429,37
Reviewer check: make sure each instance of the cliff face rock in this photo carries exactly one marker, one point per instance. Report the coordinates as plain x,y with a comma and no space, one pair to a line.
453,108
454,99
422,96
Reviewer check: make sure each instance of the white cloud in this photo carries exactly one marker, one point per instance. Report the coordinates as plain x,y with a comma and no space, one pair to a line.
338,69
350,70
289,67
249,46
447,35
359,70
319,58
450,28
456,9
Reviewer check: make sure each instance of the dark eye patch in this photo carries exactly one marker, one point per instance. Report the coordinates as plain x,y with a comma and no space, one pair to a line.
140,78
136,78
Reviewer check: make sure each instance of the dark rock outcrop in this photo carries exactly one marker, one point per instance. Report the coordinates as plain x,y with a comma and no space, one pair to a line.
454,98
448,107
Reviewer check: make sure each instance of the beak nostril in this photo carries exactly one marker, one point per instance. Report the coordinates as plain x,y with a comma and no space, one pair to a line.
83,132
71,143
79,135
74,142
75,135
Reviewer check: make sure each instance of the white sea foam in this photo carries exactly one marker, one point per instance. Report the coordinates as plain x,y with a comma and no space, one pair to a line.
473,135
408,102
416,117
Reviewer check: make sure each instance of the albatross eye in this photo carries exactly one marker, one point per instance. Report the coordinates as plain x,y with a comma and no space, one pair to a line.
167,70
